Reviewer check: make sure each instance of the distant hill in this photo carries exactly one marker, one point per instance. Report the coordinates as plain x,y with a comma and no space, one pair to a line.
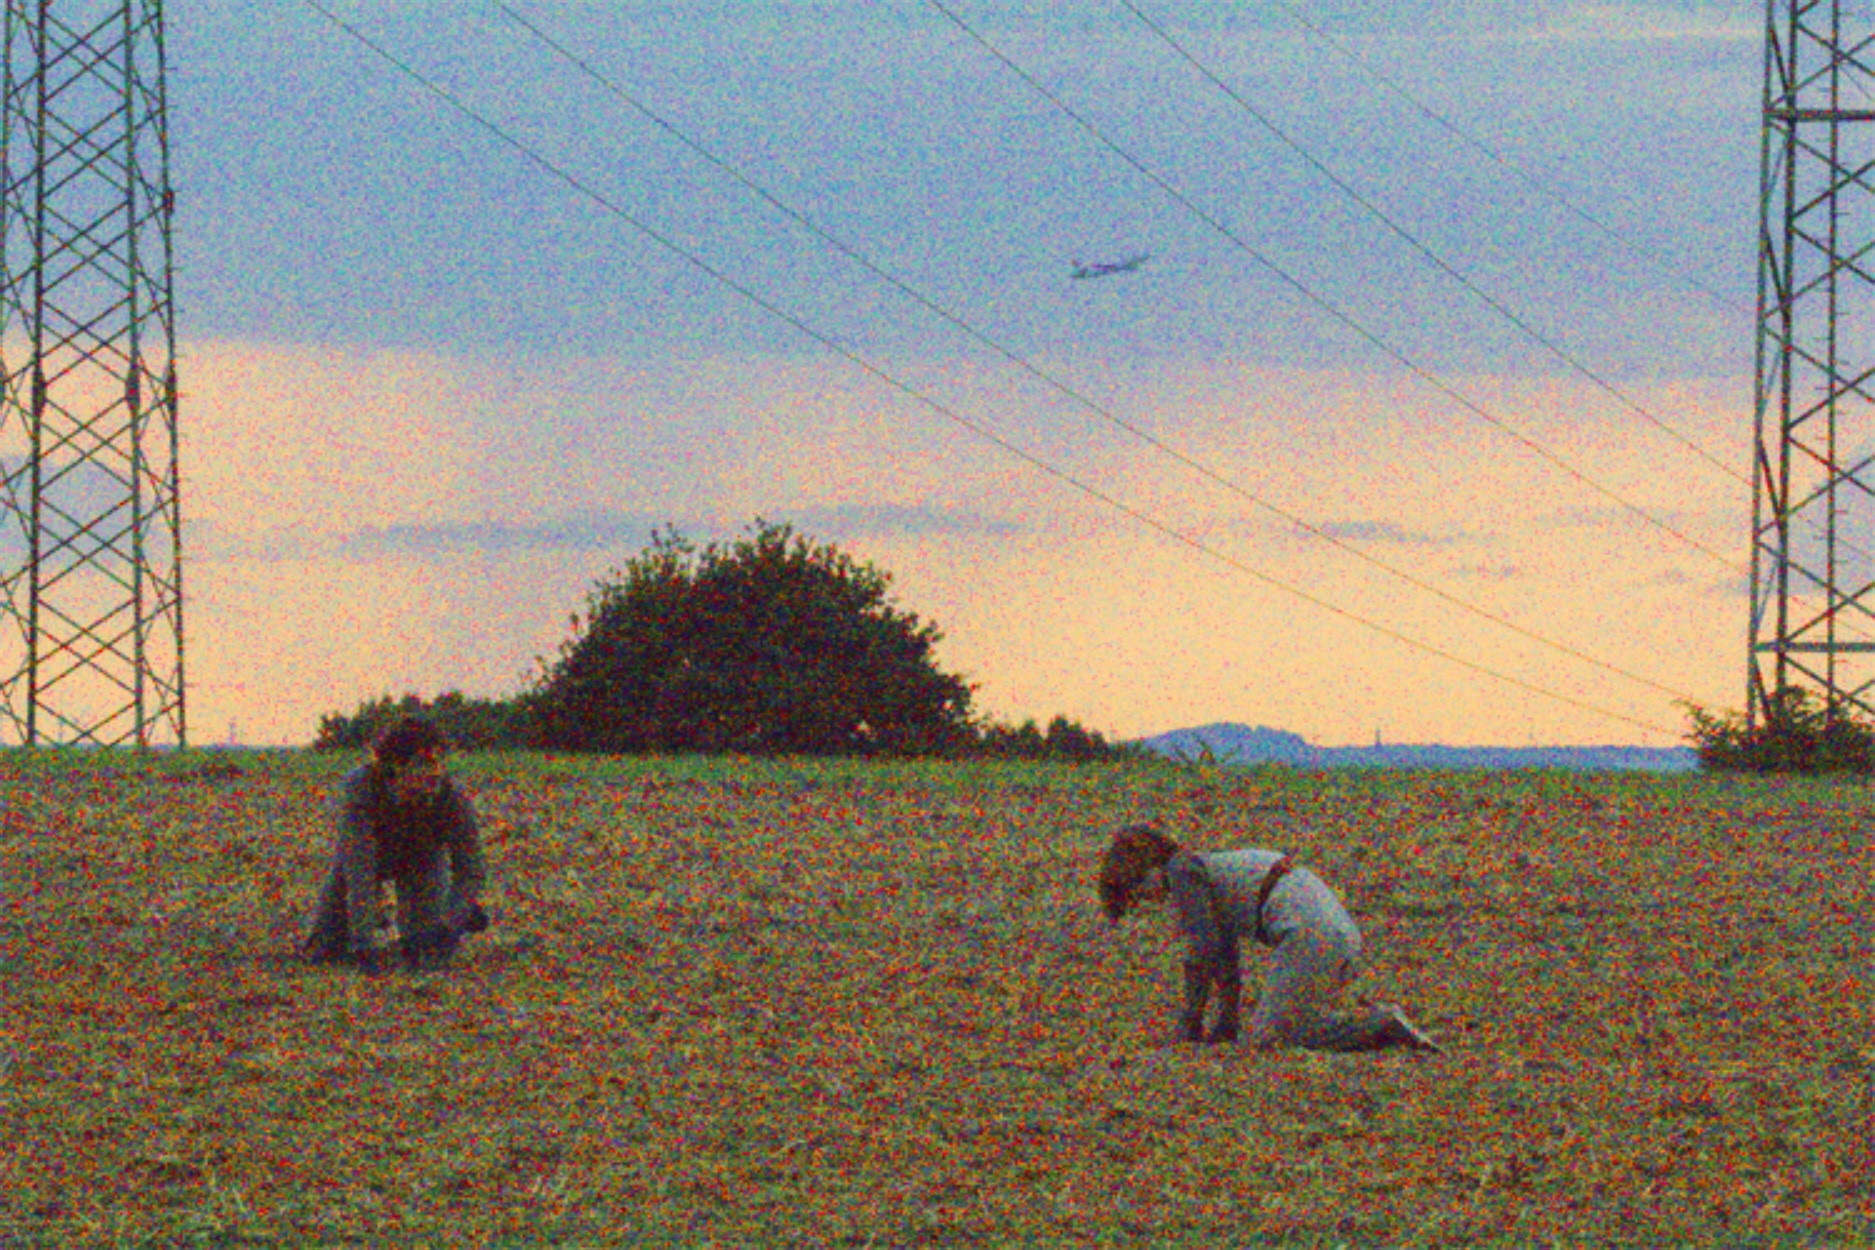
1244,744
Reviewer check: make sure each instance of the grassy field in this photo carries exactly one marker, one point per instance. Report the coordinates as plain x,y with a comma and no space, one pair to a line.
787,1003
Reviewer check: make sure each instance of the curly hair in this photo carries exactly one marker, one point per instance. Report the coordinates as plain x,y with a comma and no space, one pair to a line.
1137,851
405,739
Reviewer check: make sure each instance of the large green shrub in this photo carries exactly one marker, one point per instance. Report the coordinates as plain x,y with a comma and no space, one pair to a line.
769,645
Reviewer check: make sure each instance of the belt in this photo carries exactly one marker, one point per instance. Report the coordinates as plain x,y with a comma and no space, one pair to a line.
1277,872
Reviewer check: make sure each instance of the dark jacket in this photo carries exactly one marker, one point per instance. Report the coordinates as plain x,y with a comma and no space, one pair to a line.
381,839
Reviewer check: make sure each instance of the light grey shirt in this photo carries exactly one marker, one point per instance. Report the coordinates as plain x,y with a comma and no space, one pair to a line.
1300,902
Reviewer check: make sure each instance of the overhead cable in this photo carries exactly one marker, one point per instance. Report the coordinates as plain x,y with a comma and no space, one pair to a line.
1433,258
1424,250
1334,311
1145,436
1536,184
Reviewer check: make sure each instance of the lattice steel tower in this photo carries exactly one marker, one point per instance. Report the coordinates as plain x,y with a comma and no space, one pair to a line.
1813,514
90,491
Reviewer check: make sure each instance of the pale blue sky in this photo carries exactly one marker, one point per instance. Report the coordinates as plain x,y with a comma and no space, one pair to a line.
332,200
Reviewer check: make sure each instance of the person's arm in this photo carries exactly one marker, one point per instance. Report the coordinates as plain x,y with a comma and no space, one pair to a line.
468,867
358,861
1211,955
1197,990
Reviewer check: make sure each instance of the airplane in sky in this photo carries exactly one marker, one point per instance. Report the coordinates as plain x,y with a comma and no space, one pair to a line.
1107,268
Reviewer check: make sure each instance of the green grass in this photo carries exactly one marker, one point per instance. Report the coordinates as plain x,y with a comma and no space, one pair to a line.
830,1003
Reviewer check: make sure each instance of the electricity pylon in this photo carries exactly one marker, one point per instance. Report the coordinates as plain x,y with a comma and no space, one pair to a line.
1813,508
91,642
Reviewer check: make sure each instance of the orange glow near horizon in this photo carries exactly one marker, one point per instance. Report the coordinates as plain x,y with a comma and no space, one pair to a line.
458,473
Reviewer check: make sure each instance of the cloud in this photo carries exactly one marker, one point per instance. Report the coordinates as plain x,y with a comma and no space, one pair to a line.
1643,517
908,521
388,220
1387,532
1665,21
621,530
208,540
588,533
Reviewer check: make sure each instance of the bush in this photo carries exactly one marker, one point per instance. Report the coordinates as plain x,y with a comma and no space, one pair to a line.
772,645
1063,740
469,724
1797,733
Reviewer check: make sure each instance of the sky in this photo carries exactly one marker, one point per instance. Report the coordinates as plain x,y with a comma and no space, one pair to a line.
1428,418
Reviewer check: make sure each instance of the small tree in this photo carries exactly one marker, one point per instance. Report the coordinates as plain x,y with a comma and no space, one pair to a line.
1797,733
771,645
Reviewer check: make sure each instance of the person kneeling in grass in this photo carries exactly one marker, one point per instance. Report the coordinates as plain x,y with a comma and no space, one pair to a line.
402,819
1220,898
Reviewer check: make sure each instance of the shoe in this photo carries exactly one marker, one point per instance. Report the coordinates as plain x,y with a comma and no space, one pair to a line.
321,949
1403,1032
429,952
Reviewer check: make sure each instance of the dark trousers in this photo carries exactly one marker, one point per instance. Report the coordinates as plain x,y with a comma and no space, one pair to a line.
427,899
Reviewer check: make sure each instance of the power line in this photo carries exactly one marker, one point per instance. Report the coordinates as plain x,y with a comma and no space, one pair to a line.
1497,306
1346,319
1321,302
598,197
1523,175
858,257
1425,251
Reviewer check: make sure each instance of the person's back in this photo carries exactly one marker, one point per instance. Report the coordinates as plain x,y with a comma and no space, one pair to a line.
1297,900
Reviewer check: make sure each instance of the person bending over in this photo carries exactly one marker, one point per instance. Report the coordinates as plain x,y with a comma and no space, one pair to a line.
402,819
1220,900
